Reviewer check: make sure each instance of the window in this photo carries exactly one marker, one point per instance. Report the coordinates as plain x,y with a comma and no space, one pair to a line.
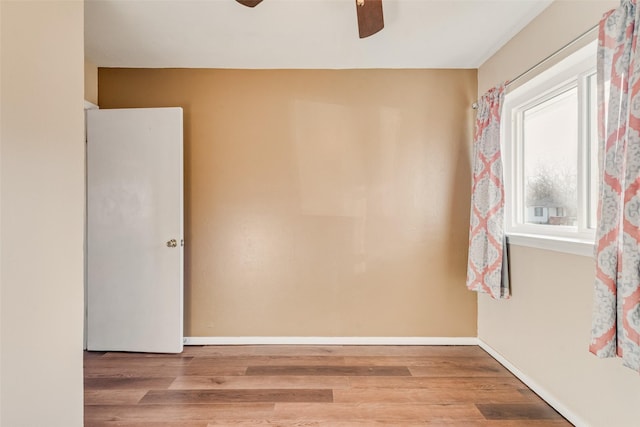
550,154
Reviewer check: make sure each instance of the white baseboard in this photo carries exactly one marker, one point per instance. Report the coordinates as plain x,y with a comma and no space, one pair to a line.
330,341
533,385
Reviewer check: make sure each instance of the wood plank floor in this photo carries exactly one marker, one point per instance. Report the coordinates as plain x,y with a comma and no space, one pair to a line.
308,386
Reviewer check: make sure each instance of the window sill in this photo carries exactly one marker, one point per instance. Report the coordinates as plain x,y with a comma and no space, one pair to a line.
557,244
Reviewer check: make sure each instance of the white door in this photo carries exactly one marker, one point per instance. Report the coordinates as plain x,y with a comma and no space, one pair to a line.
134,230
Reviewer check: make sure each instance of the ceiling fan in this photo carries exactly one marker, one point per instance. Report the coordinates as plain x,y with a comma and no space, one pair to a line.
370,18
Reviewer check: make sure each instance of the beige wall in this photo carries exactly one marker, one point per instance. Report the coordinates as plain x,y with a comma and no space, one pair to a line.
320,203
544,329
41,215
90,82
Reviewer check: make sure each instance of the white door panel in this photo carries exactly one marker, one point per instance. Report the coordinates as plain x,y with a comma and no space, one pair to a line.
134,207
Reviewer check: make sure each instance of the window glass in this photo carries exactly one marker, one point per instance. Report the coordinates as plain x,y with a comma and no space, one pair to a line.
550,146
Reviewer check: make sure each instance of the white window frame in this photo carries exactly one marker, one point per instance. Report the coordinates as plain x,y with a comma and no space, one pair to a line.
571,72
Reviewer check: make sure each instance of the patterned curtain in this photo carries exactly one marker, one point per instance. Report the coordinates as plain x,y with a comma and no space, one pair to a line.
616,317
486,269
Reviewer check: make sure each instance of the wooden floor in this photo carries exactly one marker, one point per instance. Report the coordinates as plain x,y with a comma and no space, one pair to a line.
308,386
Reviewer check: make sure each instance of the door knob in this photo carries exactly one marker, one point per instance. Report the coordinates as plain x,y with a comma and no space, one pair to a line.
172,243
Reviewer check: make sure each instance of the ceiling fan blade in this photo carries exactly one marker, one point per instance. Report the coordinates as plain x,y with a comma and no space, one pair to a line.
370,18
249,3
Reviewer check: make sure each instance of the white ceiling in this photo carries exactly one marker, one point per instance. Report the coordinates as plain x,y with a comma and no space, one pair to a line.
299,33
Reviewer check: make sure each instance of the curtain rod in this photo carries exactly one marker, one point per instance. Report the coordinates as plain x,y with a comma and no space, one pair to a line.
548,58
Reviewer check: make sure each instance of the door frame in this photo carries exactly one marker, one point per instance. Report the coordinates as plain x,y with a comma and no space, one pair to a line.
87,106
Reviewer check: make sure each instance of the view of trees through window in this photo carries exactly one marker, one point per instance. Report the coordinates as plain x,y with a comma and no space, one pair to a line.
550,136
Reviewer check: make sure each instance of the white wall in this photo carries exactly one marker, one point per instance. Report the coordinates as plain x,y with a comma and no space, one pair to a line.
41,213
1,215
544,330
